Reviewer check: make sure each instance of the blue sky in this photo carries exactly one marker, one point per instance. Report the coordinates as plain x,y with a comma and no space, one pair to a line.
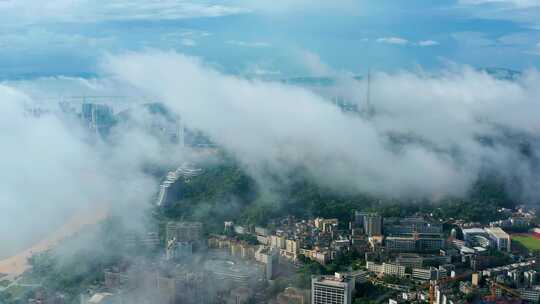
271,38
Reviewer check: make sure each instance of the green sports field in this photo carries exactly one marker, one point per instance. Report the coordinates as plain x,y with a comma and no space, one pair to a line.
528,241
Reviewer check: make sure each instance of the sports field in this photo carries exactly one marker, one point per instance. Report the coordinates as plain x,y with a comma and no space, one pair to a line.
528,241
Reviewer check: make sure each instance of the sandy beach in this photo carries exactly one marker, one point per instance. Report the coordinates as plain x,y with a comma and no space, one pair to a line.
17,264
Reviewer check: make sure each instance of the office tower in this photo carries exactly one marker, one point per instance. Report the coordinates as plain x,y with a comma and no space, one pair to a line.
373,225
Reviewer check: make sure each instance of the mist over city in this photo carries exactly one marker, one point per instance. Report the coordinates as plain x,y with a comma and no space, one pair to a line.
231,151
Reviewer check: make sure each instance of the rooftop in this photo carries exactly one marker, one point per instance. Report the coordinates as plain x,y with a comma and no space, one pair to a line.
473,230
337,280
498,232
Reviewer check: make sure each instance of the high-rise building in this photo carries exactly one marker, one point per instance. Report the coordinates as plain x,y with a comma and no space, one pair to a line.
500,239
373,224
359,218
87,111
270,258
331,289
98,117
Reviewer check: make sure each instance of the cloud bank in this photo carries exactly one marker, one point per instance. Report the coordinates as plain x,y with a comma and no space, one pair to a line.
431,136
437,123
52,167
27,11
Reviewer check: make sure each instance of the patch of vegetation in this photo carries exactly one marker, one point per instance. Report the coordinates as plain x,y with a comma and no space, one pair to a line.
219,194
226,192
368,293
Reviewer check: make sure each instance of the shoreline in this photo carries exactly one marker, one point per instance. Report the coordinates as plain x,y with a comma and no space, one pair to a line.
17,264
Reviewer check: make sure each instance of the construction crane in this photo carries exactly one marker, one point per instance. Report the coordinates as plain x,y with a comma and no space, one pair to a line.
434,283
508,290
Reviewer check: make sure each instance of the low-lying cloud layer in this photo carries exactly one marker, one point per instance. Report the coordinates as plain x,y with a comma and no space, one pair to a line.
439,121
52,167
430,136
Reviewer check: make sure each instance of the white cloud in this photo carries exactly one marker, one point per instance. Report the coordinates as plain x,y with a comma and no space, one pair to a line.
256,44
428,43
41,40
26,11
188,42
260,71
403,41
525,12
535,50
393,40
182,37
281,7
53,167
270,125
313,63
515,3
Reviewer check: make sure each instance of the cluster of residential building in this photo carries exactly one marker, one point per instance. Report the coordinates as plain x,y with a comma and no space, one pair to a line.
412,257
192,269
414,250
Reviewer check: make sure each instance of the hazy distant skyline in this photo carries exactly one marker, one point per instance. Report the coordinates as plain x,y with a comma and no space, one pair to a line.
270,38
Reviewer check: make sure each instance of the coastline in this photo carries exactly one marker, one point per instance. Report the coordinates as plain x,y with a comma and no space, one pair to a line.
18,263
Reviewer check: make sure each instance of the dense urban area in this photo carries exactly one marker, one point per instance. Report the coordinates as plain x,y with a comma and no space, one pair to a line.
213,235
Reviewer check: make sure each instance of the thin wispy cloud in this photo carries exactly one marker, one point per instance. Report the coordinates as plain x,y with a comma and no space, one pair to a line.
188,42
428,43
514,3
393,40
284,7
403,41
255,44
525,12
535,50
84,11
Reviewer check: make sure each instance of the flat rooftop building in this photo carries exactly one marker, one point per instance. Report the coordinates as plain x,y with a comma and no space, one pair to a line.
500,239
335,289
